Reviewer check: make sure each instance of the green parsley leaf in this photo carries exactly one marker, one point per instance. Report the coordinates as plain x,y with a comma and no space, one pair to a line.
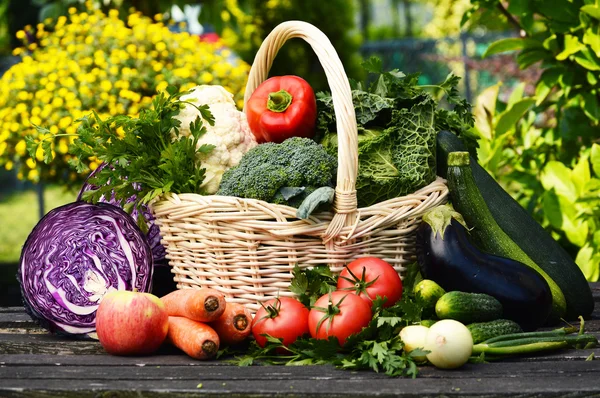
146,160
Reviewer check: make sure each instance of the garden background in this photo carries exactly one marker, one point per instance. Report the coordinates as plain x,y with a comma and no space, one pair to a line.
531,69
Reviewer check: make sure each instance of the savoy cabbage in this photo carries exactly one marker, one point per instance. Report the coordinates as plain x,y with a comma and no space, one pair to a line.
397,125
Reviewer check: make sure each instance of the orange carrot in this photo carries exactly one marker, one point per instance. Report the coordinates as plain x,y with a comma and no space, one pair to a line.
202,305
235,325
196,339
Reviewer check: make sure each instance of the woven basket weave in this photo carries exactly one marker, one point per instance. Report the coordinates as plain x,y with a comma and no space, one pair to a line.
247,248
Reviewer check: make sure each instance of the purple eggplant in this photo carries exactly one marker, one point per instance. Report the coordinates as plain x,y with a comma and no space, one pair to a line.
446,255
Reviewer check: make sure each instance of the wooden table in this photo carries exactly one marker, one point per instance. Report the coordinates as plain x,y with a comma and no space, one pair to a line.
34,363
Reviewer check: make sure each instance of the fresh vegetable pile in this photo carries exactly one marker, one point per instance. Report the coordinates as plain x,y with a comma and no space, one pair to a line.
477,292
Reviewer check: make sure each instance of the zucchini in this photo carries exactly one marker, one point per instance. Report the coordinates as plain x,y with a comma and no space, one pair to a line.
525,231
446,255
430,292
468,307
487,234
481,331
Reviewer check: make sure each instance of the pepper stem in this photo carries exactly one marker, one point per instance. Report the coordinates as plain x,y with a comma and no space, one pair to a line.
279,101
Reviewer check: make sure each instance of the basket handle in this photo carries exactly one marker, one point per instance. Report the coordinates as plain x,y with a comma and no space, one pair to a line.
345,204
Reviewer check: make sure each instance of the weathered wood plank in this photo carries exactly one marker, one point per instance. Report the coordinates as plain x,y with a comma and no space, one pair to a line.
556,386
12,310
18,323
171,357
47,344
269,373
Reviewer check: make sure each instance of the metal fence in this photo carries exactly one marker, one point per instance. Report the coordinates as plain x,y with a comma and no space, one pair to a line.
435,58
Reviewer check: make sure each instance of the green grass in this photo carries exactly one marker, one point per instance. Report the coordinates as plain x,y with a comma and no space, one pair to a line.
19,214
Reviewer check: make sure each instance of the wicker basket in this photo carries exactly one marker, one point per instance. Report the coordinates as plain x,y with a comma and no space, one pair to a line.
247,248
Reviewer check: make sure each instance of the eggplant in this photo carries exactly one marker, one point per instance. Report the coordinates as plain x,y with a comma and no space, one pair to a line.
446,255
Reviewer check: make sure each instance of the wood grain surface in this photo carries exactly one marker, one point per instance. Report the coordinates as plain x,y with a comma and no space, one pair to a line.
34,363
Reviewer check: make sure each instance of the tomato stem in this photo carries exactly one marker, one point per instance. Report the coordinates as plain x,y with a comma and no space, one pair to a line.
279,101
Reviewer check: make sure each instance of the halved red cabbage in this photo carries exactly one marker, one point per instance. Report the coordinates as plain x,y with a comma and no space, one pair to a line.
76,254
153,235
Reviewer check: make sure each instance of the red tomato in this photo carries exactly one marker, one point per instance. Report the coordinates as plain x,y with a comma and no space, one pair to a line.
370,277
283,318
280,108
338,314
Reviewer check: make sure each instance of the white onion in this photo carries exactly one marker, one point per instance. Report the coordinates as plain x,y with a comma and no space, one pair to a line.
449,344
414,337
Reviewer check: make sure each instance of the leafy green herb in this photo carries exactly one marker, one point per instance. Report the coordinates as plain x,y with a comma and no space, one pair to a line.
309,284
148,159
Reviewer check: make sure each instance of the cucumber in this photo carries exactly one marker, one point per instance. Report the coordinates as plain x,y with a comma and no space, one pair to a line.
481,331
428,322
487,234
430,292
468,307
525,231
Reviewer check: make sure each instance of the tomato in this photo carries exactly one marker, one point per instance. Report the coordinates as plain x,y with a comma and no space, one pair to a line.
370,277
283,318
282,107
338,314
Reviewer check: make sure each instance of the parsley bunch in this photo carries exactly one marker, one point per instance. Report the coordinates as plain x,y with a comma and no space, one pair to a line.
145,156
377,347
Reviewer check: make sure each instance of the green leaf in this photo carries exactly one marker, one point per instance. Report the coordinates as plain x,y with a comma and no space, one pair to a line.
593,40
373,65
509,118
47,147
516,95
590,106
528,58
595,159
575,228
550,77
589,263
551,44
581,175
588,60
52,10
552,211
510,44
591,10
32,145
572,46
557,176
485,109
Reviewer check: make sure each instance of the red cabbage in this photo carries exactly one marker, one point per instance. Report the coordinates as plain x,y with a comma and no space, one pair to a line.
153,235
76,254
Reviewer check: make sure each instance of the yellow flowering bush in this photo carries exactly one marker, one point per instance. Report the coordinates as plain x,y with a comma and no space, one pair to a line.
92,61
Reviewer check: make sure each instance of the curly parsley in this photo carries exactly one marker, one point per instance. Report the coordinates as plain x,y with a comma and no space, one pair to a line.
146,155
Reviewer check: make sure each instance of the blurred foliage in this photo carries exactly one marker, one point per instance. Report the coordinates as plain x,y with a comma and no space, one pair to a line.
448,15
56,8
19,215
4,30
92,61
245,23
544,147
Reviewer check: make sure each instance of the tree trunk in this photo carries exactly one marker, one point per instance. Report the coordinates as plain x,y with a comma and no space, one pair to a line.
408,18
365,16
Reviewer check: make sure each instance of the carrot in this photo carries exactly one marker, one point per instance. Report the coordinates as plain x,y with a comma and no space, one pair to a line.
196,339
202,305
235,325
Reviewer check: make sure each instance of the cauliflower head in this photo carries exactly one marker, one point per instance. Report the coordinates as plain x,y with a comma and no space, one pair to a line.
230,134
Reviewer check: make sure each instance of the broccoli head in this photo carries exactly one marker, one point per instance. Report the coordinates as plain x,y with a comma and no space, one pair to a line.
299,165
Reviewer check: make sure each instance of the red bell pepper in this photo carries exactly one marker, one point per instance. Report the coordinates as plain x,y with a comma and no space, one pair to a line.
282,107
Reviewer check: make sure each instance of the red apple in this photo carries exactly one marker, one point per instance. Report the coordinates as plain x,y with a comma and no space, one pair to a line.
131,323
